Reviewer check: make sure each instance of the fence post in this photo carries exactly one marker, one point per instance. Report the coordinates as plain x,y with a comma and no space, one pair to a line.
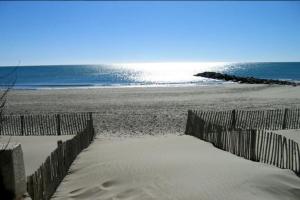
59,142
253,146
12,170
91,125
284,118
219,137
22,124
91,118
1,125
187,127
233,119
58,124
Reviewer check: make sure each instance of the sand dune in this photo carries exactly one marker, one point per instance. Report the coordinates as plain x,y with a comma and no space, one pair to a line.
171,167
35,148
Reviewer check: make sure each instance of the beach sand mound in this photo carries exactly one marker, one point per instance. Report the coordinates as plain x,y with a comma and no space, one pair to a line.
35,148
293,134
171,167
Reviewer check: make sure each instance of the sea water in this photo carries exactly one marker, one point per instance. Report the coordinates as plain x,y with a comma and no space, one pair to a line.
139,74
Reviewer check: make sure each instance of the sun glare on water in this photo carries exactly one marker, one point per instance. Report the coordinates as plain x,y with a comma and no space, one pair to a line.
170,72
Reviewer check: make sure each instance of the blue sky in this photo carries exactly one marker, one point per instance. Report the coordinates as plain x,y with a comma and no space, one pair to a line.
116,32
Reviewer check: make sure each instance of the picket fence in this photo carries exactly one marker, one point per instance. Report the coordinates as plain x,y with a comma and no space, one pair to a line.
253,144
44,124
254,119
42,184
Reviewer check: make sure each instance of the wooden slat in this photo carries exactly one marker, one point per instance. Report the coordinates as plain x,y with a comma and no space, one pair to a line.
265,146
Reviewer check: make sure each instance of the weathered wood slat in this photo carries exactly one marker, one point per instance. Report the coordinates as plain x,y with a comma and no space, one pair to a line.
43,183
51,124
257,145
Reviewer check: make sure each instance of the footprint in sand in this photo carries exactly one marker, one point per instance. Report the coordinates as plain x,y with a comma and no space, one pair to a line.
108,184
86,193
76,191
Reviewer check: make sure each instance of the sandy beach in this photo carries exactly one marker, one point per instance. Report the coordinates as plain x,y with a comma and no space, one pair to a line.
153,110
171,167
141,153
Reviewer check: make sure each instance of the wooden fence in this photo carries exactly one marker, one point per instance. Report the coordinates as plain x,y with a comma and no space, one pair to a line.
43,183
254,119
50,124
255,145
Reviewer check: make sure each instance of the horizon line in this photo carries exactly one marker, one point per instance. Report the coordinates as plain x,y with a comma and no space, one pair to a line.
151,62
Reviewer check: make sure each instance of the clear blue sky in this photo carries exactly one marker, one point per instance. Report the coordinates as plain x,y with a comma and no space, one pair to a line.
116,32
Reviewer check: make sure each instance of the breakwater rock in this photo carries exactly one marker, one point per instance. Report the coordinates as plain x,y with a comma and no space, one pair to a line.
249,80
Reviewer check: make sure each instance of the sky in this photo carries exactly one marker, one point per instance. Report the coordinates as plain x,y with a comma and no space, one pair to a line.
41,33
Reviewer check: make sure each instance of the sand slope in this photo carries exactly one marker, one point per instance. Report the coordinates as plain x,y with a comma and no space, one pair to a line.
293,134
171,167
35,148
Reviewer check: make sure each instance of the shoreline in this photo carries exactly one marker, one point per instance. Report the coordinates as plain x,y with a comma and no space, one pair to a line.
94,86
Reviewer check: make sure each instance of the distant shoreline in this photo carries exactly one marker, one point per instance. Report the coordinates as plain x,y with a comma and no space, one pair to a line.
95,86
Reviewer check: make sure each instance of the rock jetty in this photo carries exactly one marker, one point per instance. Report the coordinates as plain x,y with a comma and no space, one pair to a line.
239,79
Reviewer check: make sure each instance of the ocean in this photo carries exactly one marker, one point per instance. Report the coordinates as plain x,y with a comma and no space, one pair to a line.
139,74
